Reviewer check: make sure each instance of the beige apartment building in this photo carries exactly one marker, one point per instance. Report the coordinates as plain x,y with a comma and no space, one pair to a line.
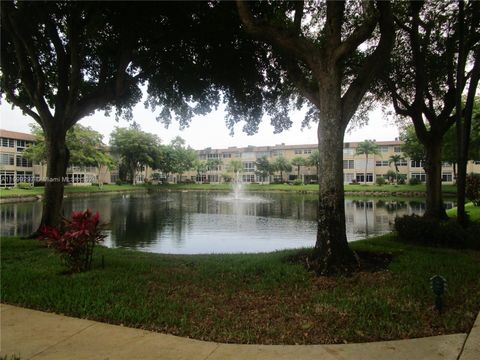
15,168
353,165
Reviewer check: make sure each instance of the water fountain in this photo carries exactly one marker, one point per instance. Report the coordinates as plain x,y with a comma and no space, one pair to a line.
238,195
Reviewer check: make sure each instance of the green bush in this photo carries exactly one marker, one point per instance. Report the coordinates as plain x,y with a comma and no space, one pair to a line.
414,181
297,182
472,189
432,232
380,180
24,185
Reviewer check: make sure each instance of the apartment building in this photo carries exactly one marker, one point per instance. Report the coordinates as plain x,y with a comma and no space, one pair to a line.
353,165
15,168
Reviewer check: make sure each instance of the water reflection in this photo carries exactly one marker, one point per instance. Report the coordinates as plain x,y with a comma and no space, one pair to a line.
196,222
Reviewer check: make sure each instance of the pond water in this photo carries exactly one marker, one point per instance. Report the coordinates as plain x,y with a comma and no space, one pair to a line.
209,222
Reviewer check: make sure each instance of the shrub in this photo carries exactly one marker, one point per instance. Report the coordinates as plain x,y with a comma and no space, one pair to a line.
75,239
432,232
24,185
472,189
414,181
297,182
380,180
119,182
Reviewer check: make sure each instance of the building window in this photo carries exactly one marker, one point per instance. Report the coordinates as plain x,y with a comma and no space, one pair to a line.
416,164
403,163
7,178
248,155
5,142
361,177
446,164
348,164
7,159
307,151
249,166
397,149
381,163
23,162
298,151
212,156
447,176
419,176
383,149
227,155
348,151
248,178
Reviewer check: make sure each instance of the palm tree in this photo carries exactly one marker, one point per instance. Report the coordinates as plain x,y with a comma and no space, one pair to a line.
281,164
298,161
395,159
313,160
367,147
236,167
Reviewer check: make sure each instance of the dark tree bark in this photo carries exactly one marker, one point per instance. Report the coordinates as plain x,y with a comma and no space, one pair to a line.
433,169
321,84
57,162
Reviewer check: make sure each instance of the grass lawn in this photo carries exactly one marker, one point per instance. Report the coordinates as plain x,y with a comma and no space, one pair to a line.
14,192
404,189
256,298
473,212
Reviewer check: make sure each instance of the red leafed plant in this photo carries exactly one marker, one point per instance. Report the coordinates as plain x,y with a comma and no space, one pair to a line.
75,239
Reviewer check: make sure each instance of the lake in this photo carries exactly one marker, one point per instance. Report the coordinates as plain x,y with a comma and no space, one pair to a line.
210,222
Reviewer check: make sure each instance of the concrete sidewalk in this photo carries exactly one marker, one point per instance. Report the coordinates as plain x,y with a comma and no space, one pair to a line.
33,334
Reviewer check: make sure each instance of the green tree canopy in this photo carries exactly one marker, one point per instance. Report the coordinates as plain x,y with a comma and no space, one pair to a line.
263,167
281,164
298,161
135,148
85,145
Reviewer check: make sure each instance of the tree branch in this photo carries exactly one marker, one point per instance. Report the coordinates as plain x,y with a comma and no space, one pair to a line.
372,65
298,78
297,21
33,82
360,34
291,44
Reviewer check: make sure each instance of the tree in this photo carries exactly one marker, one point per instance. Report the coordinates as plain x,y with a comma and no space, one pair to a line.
85,145
367,147
61,61
235,166
281,164
317,47
425,77
298,161
175,158
314,160
135,148
395,160
263,168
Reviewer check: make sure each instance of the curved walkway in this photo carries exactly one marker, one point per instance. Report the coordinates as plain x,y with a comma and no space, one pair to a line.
31,334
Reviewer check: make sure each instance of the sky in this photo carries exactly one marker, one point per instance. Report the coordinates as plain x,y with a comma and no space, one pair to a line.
210,130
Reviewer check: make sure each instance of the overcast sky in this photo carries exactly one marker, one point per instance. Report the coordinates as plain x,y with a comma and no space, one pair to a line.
210,130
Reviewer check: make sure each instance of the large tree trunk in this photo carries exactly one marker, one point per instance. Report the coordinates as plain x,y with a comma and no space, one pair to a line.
433,169
57,162
331,254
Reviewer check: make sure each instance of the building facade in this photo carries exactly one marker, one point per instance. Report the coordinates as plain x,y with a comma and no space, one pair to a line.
15,168
355,167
